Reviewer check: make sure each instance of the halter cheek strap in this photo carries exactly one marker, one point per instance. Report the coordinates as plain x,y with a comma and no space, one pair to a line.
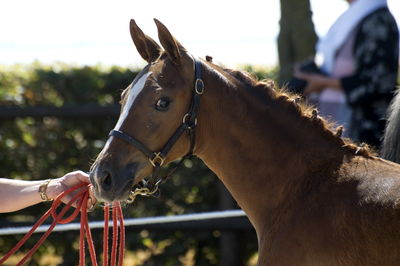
157,159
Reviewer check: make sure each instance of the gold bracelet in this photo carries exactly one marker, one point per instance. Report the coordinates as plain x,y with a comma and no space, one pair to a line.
43,190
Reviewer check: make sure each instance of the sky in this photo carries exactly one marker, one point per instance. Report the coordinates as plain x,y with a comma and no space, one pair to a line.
87,32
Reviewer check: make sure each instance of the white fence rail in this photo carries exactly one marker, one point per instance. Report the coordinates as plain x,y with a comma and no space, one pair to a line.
130,222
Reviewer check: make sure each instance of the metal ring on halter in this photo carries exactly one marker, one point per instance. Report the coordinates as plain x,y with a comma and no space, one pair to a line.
199,86
186,118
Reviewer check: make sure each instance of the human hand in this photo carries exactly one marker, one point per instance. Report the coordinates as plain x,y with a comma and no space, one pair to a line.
315,82
61,184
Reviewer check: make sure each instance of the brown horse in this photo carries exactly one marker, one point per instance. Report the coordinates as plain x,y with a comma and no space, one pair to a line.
313,198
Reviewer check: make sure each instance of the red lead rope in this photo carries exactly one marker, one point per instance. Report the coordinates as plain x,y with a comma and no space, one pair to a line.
81,199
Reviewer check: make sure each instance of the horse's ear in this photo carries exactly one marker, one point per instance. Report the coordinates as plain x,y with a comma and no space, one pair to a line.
146,46
171,46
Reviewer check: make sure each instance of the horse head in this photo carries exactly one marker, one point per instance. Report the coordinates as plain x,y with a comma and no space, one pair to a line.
154,117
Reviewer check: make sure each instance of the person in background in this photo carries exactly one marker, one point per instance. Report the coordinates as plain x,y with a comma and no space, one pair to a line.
19,194
357,78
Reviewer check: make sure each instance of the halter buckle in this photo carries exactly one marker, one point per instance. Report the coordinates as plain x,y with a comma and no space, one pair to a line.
199,86
158,159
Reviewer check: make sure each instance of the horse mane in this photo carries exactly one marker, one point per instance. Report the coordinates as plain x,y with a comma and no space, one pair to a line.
295,103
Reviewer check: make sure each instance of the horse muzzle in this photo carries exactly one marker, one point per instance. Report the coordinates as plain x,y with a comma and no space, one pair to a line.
113,183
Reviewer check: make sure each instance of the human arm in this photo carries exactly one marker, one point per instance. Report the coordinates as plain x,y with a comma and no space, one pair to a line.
317,82
375,59
19,194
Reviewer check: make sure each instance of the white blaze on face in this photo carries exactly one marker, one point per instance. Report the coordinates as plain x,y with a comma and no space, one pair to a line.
133,93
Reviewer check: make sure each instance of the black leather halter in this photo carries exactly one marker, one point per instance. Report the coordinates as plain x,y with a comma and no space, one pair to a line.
189,122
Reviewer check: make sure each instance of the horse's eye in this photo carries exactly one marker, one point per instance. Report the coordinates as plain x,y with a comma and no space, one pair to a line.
162,104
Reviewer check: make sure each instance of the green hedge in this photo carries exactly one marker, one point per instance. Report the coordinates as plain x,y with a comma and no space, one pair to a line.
40,148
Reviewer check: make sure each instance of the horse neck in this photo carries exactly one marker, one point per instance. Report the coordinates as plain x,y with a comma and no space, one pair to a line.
246,137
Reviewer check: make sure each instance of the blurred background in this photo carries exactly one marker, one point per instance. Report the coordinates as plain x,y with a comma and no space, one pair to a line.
63,65
92,32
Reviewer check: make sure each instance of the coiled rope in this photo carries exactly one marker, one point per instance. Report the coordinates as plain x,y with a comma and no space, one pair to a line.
81,199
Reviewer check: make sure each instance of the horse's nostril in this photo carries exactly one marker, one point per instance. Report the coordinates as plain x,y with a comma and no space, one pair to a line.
107,182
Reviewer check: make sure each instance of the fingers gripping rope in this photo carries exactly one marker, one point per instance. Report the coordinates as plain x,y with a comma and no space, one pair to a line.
81,199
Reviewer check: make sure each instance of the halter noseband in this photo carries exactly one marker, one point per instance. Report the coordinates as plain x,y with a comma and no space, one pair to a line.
157,159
